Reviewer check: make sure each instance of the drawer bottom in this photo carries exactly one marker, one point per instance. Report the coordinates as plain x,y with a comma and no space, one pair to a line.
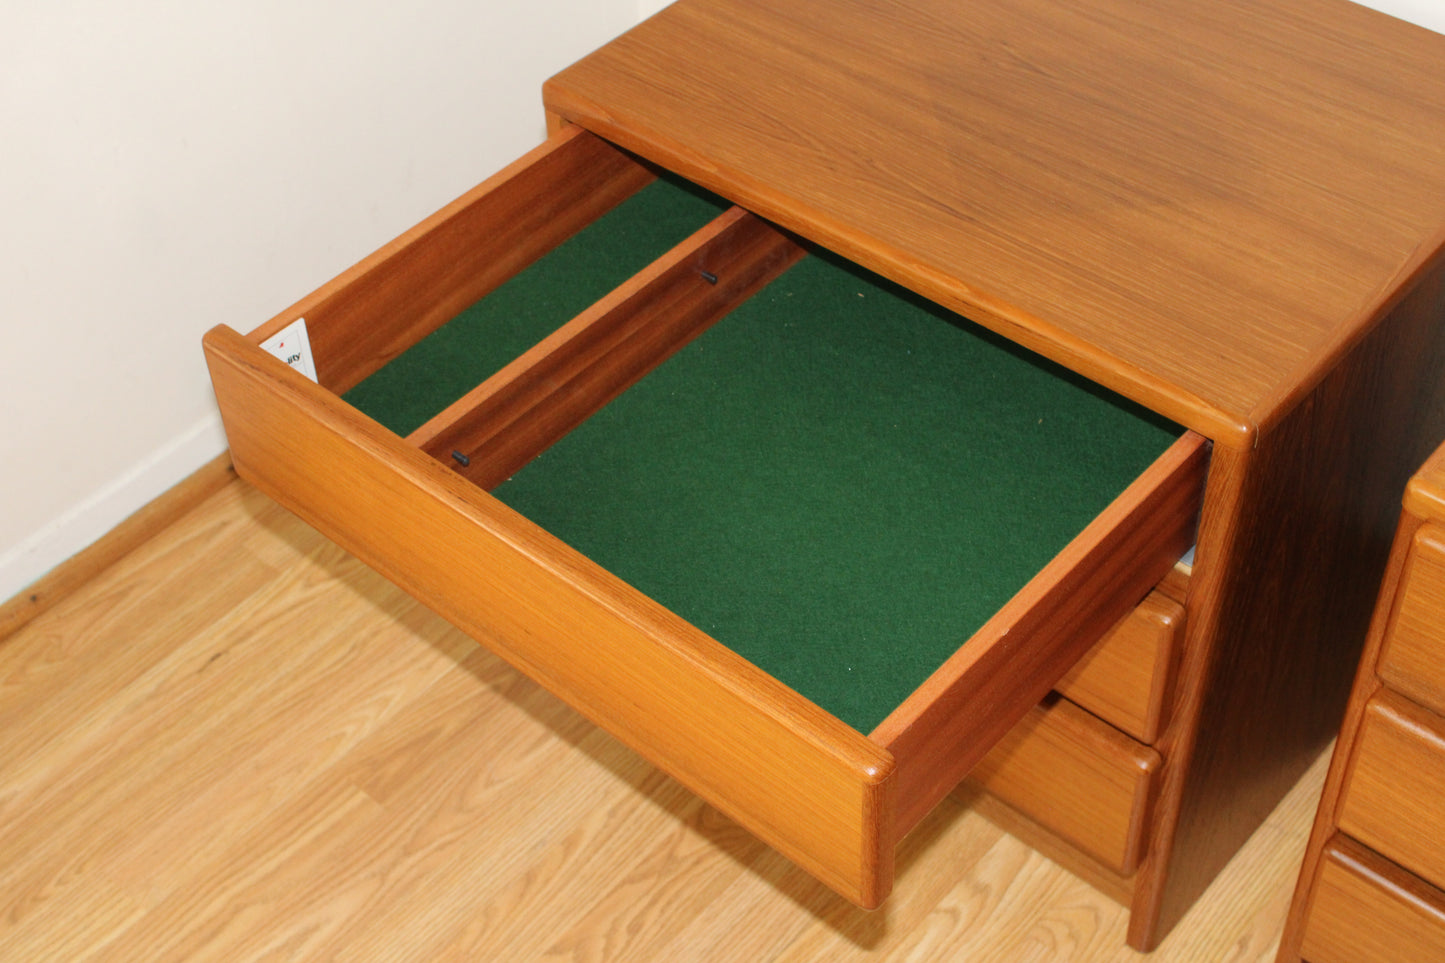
1077,777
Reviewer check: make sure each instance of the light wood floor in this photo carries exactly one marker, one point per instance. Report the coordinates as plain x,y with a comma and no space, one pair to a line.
239,744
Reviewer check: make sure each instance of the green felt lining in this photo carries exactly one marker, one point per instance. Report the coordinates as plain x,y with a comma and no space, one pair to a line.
839,480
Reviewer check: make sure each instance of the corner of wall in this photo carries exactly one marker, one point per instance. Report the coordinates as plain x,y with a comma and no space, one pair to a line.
86,522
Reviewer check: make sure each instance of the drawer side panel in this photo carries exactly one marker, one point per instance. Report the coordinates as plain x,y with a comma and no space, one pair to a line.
373,311
814,789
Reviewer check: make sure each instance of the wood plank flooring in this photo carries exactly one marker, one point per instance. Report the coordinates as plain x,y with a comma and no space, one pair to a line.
240,744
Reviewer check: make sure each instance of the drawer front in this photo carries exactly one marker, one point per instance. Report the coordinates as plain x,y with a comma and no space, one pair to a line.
829,797
813,788
1081,779
1394,797
1364,909
1125,679
802,781
1413,659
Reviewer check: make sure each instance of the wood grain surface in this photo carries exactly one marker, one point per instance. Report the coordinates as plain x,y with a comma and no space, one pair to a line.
1137,189
239,743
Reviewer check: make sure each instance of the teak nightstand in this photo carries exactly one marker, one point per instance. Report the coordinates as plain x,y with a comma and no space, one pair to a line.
1211,228
1372,887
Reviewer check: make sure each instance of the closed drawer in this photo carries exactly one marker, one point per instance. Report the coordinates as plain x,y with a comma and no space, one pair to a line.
831,786
1125,679
1364,909
1394,797
1413,658
1078,777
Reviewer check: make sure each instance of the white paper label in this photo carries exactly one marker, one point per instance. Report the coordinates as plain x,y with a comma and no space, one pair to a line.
291,345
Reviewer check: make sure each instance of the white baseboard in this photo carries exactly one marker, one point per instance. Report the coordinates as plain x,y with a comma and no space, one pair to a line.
83,524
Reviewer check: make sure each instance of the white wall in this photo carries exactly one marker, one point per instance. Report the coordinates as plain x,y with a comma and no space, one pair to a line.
1427,13
168,165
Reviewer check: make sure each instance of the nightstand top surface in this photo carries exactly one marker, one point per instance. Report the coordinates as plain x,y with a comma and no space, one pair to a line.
1198,204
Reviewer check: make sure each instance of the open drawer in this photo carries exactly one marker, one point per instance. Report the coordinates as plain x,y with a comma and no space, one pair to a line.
833,796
